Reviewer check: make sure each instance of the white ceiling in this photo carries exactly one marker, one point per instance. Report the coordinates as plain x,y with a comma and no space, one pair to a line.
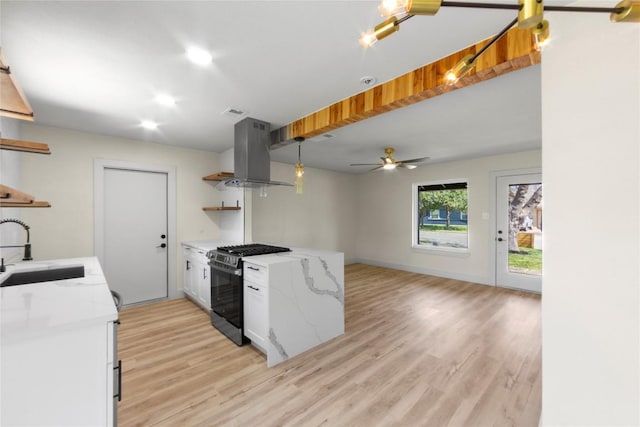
96,66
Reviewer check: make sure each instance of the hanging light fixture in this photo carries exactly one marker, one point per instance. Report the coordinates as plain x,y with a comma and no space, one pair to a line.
467,63
530,16
379,32
299,169
414,7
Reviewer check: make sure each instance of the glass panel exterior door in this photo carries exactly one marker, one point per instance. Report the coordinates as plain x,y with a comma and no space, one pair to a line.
519,232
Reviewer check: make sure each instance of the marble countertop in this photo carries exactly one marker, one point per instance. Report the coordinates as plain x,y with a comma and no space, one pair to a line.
208,245
41,308
295,255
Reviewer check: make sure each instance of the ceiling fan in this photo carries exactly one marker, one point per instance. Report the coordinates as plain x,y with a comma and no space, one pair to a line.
388,162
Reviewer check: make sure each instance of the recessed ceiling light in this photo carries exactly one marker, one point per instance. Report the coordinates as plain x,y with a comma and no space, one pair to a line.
166,100
199,56
368,80
148,124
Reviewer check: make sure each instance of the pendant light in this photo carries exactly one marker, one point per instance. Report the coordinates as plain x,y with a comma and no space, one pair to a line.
299,171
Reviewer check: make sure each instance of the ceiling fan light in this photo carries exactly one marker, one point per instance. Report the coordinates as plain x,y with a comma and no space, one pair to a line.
389,166
410,166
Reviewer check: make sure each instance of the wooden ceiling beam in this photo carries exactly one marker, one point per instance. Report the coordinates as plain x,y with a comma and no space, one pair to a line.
514,51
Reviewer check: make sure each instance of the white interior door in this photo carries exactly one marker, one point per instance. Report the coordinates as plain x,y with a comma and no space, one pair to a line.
519,237
135,234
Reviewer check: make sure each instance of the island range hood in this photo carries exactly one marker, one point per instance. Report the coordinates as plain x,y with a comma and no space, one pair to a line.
251,158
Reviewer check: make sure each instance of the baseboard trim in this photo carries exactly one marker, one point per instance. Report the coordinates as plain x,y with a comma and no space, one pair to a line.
421,270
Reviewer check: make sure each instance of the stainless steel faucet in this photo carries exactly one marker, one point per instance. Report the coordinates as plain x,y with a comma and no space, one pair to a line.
27,246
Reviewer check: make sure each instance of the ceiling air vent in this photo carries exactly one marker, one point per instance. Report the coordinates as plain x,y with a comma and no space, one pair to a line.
322,137
233,112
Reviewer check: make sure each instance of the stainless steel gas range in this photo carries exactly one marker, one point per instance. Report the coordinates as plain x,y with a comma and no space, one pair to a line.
227,311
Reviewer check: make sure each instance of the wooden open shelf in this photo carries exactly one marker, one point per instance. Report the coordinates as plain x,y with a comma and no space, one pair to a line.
222,208
218,176
26,146
35,204
11,195
13,103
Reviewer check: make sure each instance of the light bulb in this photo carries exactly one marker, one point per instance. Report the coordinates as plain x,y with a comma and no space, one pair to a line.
165,100
299,178
389,8
541,35
148,124
389,166
380,31
199,56
465,65
368,39
450,77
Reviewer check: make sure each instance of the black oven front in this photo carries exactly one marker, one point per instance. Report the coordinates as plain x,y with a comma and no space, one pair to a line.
226,296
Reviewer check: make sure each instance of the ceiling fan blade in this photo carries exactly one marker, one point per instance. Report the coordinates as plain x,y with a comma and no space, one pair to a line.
403,165
418,160
374,169
364,164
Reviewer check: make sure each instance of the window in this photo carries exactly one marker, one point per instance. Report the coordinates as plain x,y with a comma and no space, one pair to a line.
441,216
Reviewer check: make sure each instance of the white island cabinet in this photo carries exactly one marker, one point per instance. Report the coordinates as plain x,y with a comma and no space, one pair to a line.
293,301
58,348
256,304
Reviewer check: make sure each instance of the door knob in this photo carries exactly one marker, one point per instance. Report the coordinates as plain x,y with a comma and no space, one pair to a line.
162,245
499,239
163,236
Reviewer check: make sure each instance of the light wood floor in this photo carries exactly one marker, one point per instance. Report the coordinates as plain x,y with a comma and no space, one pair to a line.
418,350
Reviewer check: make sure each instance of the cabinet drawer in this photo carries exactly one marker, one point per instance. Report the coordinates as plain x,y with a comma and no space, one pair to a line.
255,273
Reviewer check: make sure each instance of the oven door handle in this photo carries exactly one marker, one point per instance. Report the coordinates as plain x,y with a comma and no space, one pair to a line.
230,270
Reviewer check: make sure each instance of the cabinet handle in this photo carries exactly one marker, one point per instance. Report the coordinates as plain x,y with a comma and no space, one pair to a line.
188,267
119,393
204,273
253,268
251,287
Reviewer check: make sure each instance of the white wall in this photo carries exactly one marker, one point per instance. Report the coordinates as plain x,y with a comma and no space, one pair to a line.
591,296
231,223
65,179
385,227
10,233
323,217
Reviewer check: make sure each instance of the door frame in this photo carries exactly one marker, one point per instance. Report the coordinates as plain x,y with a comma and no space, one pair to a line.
99,165
493,200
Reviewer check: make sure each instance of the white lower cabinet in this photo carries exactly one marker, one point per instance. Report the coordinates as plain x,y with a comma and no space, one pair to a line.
67,377
197,280
256,304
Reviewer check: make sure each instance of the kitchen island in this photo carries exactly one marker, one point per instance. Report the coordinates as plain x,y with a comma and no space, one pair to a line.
58,348
294,301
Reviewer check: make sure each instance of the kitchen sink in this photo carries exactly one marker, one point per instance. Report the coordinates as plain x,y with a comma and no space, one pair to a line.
46,275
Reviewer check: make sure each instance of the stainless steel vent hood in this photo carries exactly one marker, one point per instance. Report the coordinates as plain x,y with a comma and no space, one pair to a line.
252,162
